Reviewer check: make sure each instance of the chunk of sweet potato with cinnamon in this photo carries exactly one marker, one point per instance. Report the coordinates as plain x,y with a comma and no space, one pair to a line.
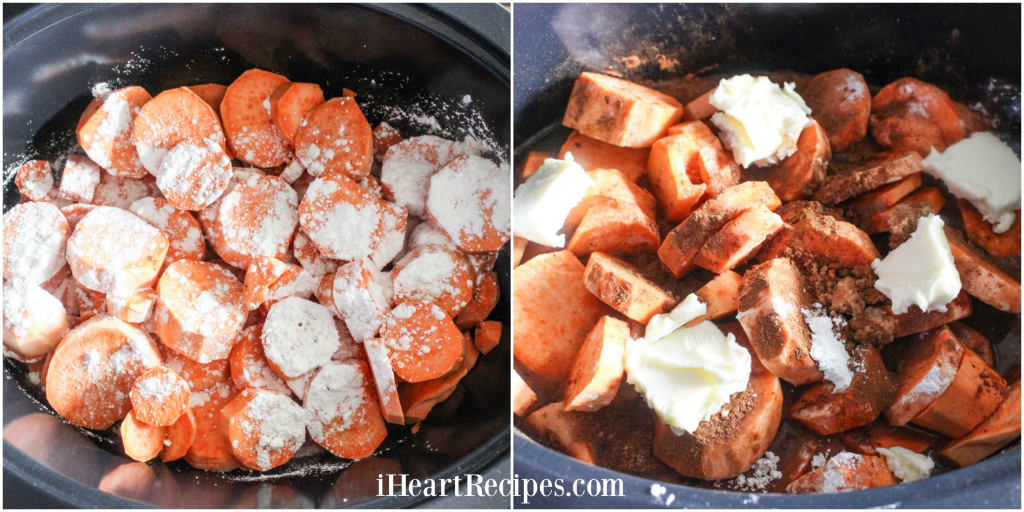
841,102
552,314
979,231
826,411
598,368
840,186
981,278
594,154
823,239
927,367
846,472
620,112
915,321
973,340
997,431
721,295
622,287
909,114
974,394
879,434
686,166
738,240
800,174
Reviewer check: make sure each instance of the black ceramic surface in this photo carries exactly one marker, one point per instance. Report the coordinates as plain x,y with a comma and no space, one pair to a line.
971,51
405,63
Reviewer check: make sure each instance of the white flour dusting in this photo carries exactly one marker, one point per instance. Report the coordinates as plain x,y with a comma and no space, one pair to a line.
299,336
827,349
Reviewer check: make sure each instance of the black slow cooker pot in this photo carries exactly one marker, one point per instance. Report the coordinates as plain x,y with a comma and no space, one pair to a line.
412,66
971,51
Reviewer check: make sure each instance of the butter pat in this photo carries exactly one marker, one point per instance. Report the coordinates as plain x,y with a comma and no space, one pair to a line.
983,170
759,121
920,271
686,374
907,465
542,203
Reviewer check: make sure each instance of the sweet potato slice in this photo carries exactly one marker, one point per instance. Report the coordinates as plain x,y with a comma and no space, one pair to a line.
199,376
734,438
79,179
879,434
485,298
997,431
289,103
973,340
335,136
263,271
981,278
594,154
263,427
418,399
614,229
620,112
478,221
210,450
921,202
173,117
974,394
883,198
422,340
384,381
179,436
182,230
487,336
823,238
841,102
141,440
738,240
246,113
909,114
335,202
384,136
800,174
34,179
346,387
979,231
101,262
700,107
682,243
842,186
106,129
621,286
34,321
257,217
721,295
598,368
915,321
772,296
825,411
846,472
548,334
418,276
523,398
159,397
613,188
212,94
688,165
562,427
249,366
533,161
928,366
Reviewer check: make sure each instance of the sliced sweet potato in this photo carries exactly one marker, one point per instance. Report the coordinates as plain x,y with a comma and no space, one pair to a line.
210,450
883,198
384,380
688,165
621,286
928,366
721,295
915,321
487,336
826,411
772,296
552,314
598,368
422,341
846,472
246,111
921,202
974,395
682,243
734,438
611,188
141,440
700,107
841,102
614,229
738,240
979,231
562,427
879,434
523,398
289,103
178,437
824,239
842,186
800,174
594,154
981,278
997,431
533,161
909,114
518,250
620,112
973,340
485,298
348,387
420,398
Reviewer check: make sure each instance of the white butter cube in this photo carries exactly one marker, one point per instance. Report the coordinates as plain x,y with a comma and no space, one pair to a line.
542,203
920,271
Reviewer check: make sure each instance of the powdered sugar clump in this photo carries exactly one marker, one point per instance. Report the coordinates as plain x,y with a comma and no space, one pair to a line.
335,397
299,335
359,299
827,349
469,201
765,472
35,242
834,472
426,234
160,386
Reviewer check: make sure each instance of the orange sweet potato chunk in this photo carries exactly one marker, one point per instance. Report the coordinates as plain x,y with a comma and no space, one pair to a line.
620,112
